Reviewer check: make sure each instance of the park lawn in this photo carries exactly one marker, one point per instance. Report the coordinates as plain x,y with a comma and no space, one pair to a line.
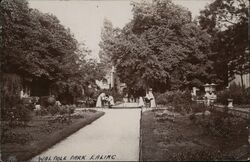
43,135
183,140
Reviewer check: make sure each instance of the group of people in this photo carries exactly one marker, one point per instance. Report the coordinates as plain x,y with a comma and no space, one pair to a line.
148,100
105,99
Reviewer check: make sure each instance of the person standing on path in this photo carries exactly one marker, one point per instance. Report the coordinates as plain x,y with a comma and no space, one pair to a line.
151,97
111,101
99,100
141,102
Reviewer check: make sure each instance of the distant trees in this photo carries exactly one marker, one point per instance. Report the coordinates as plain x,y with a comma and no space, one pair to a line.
227,21
162,48
36,46
108,35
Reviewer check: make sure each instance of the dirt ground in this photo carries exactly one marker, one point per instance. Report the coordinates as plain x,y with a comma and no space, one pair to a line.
183,140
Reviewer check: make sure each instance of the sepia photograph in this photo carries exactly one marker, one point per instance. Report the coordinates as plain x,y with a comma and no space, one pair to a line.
124,80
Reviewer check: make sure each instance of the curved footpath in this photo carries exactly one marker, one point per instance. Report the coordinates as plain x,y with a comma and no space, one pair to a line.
113,137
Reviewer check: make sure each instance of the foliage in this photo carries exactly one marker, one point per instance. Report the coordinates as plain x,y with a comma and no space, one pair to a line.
197,155
43,101
38,47
64,119
107,36
30,106
12,137
53,109
90,102
198,107
17,115
239,95
173,97
179,100
56,110
227,22
43,111
35,44
221,124
11,107
161,48
11,85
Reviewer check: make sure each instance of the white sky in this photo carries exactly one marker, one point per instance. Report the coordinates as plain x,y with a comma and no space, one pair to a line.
85,17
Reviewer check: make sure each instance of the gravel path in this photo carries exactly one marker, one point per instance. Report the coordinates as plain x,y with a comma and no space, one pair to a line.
113,137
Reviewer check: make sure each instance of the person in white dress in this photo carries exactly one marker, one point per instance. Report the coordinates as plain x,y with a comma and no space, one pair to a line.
141,102
99,100
151,97
111,101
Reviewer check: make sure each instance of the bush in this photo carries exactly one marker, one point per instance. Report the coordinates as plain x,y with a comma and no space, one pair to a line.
62,110
72,109
66,109
197,155
223,125
44,111
180,100
47,101
19,114
198,107
173,98
90,102
20,138
239,95
44,101
51,100
53,109
30,106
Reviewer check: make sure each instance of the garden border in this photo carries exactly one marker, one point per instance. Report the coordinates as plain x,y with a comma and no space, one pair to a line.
55,138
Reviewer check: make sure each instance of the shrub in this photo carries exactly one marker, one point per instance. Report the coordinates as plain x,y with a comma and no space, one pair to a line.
173,98
53,109
71,109
198,107
51,100
237,93
223,125
90,102
47,101
44,111
19,114
63,110
11,85
30,106
200,155
20,138
180,100
44,101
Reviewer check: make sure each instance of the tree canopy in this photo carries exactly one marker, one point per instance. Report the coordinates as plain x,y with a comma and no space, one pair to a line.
161,48
227,21
37,46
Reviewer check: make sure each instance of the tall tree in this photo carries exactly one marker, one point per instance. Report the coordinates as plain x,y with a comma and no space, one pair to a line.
227,21
162,48
37,46
107,37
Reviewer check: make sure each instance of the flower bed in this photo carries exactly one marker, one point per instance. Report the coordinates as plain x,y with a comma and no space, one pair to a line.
41,133
185,140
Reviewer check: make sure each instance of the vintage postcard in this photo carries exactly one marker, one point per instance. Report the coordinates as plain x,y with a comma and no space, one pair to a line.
124,80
